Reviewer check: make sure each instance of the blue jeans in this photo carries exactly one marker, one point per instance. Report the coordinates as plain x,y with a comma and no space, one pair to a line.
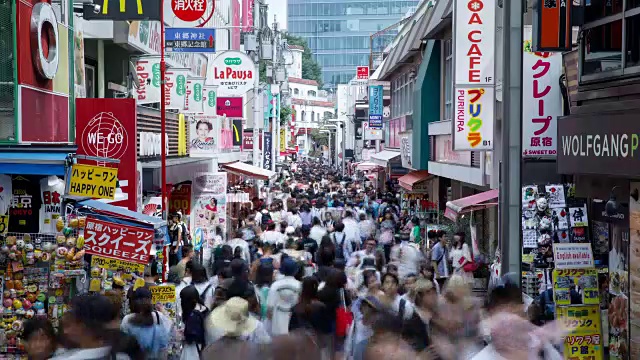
179,253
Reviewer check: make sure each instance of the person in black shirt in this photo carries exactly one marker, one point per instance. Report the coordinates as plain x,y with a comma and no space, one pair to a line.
310,245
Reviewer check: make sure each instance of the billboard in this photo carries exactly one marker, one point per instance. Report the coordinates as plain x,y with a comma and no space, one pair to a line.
233,72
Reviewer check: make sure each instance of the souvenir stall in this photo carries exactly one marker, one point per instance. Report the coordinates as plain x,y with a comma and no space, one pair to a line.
561,270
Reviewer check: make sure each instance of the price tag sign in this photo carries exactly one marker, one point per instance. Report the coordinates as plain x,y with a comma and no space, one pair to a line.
93,181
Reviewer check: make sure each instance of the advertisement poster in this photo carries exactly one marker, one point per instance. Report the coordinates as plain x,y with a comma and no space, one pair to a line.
232,72
180,198
634,265
226,133
283,142
585,342
203,138
117,241
166,296
78,58
116,265
576,287
474,115
209,201
619,294
148,70
176,88
266,160
541,100
108,128
193,98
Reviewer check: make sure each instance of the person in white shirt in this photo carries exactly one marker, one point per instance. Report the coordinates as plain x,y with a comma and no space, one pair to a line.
283,297
342,244
317,231
407,256
238,241
356,259
366,226
396,303
271,236
351,230
294,219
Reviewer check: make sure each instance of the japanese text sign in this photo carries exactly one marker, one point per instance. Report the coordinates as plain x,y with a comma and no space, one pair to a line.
376,106
247,139
117,241
200,40
163,294
116,265
266,160
541,100
93,181
189,13
233,73
474,118
122,10
180,199
576,286
585,341
474,24
362,73
231,107
573,256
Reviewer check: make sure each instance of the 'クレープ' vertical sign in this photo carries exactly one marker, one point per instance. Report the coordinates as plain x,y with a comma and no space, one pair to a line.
474,96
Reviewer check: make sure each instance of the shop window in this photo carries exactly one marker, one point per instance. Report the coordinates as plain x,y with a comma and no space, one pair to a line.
603,48
633,40
598,9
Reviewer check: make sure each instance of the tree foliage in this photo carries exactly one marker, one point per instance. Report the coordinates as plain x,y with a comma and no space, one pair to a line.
319,138
310,68
285,111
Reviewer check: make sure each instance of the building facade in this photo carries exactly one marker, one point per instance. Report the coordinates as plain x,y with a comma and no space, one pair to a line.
339,32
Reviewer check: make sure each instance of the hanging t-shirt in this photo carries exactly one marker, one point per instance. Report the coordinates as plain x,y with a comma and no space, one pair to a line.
24,210
51,193
5,194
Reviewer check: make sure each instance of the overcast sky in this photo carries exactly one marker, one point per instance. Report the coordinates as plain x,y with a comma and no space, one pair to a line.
279,8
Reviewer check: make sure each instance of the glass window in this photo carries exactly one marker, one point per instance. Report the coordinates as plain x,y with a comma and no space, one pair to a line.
296,91
448,80
603,48
633,41
597,9
311,93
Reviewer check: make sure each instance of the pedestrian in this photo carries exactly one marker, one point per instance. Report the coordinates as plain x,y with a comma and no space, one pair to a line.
146,326
387,230
231,321
439,259
241,246
460,255
264,275
283,296
177,241
317,230
187,255
307,314
362,327
197,277
40,340
193,316
407,255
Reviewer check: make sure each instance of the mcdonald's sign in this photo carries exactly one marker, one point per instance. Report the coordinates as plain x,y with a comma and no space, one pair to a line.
122,10
237,133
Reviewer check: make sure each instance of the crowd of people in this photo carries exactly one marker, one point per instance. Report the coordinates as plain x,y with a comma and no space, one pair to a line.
328,268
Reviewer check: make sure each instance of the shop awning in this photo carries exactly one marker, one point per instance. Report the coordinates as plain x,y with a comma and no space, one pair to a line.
383,157
366,166
470,203
118,213
33,162
254,172
409,181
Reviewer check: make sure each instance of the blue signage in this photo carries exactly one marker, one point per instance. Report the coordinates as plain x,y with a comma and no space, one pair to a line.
193,40
376,106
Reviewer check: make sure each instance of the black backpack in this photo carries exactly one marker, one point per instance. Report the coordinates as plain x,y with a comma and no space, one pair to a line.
339,247
194,329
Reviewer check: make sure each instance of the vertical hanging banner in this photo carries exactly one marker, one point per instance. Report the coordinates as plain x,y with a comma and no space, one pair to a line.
283,142
237,133
474,74
552,25
176,88
194,94
182,135
266,150
247,15
541,100
209,201
148,70
267,106
376,106
209,100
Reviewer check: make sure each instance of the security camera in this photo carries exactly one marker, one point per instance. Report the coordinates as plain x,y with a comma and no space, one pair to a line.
96,8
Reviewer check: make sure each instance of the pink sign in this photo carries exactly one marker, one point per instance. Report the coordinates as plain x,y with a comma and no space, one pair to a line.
247,15
231,107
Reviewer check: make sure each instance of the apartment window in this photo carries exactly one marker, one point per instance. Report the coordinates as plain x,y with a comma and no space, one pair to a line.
610,45
448,80
311,93
296,92
402,95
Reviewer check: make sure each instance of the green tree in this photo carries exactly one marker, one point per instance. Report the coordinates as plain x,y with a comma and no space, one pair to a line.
285,111
310,68
320,138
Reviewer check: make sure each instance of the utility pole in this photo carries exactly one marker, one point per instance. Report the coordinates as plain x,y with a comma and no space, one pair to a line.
509,202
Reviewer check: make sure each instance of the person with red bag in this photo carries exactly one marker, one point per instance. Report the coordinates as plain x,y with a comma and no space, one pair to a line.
461,257
337,316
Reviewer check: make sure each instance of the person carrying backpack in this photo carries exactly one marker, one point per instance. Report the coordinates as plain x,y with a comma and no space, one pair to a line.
193,318
149,327
343,248
196,277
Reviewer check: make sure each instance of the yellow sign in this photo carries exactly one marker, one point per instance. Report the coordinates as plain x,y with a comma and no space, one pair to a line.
162,294
116,265
585,341
4,224
283,141
182,135
576,287
93,181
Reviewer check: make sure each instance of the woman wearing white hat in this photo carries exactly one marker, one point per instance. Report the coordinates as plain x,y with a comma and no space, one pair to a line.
232,320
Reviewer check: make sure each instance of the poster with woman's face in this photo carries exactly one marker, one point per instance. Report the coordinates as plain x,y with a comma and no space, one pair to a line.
203,137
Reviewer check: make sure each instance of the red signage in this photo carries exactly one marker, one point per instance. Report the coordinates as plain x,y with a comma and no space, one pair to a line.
230,106
180,199
247,15
552,26
247,140
117,241
190,10
362,73
107,128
